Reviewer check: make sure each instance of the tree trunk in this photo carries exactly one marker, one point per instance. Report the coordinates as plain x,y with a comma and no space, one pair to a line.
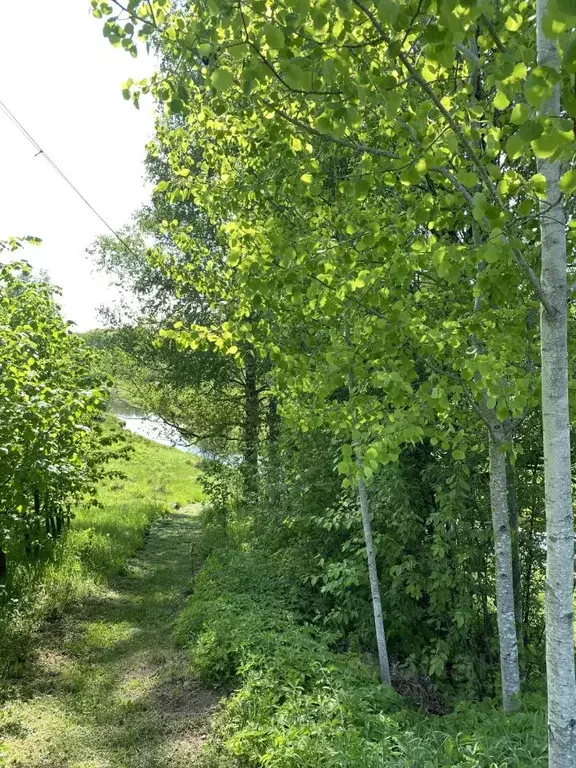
59,519
514,529
273,430
503,555
509,667
273,458
3,566
487,626
556,440
251,428
370,554
373,575
530,555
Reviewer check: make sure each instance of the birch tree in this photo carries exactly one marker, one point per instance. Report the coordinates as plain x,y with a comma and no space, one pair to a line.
556,425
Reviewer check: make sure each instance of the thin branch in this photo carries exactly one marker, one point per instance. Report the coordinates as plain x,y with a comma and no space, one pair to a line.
470,55
358,146
152,14
416,14
429,91
493,33
534,281
454,181
133,16
518,257
276,74
480,411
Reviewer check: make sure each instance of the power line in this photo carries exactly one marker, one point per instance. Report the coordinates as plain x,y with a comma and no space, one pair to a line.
40,151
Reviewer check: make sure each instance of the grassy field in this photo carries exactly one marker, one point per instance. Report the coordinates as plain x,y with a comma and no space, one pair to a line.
157,478
108,688
99,682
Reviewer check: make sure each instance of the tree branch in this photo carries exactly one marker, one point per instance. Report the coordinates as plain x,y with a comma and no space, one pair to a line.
266,63
358,146
518,257
493,33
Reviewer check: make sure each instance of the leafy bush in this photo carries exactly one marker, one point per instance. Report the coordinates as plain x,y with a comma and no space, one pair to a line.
299,703
53,442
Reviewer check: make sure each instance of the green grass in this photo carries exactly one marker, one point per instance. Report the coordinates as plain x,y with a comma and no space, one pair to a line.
157,479
108,687
97,545
103,685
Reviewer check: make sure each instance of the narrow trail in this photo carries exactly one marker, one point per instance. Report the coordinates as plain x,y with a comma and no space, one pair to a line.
109,689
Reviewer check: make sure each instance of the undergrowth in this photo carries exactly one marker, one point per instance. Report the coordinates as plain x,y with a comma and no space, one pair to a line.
97,546
298,702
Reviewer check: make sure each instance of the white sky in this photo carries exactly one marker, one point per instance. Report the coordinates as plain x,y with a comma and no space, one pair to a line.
62,80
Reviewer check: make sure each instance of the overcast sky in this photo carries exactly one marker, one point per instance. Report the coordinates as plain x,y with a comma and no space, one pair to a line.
62,80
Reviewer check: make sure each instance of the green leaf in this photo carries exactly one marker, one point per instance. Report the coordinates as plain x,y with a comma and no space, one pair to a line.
274,36
410,175
538,184
479,209
514,147
295,76
569,102
520,113
525,208
567,7
501,101
545,146
233,257
392,104
568,182
537,90
387,12
319,19
296,143
467,178
347,451
222,79
176,106
569,57
530,130
553,27
513,22
492,252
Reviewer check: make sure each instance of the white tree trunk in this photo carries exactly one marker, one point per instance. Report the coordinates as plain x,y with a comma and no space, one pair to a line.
507,637
370,551
373,574
556,439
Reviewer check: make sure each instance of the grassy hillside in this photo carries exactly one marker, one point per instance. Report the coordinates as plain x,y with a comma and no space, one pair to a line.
97,545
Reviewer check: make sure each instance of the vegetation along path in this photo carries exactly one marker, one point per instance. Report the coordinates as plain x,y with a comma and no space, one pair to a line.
111,690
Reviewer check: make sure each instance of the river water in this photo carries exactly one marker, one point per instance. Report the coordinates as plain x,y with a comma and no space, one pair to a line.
149,426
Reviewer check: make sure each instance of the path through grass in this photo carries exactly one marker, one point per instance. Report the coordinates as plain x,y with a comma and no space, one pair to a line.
109,689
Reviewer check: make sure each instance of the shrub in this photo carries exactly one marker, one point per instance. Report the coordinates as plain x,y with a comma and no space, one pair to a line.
298,703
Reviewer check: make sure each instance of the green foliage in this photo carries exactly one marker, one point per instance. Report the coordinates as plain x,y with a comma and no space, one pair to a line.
54,449
432,532
13,244
372,174
299,703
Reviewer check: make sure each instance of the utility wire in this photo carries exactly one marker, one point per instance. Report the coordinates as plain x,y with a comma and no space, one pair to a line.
40,151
